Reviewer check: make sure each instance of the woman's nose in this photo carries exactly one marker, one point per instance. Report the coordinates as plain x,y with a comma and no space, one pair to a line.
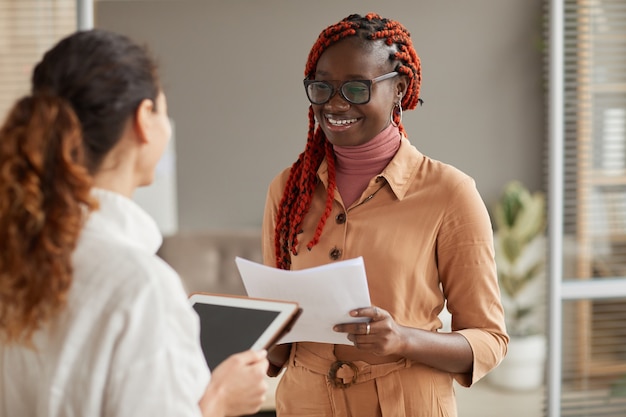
337,102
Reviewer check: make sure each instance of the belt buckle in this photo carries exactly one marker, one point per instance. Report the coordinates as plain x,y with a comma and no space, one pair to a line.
338,382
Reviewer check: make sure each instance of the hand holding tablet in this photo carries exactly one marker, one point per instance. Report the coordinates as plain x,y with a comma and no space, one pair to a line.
231,324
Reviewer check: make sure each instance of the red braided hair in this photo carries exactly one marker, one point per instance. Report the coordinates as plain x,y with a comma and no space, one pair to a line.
302,180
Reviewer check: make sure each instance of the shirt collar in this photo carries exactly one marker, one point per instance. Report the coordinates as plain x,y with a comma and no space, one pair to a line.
402,169
399,173
121,218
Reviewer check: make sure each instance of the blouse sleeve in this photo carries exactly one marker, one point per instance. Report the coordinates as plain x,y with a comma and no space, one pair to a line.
157,364
469,279
273,197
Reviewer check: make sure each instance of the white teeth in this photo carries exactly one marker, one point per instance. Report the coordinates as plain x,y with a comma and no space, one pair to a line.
343,122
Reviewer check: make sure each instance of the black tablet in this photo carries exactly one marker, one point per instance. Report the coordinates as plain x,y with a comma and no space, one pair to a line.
231,324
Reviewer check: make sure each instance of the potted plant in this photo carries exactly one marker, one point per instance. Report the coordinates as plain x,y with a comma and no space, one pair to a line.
520,252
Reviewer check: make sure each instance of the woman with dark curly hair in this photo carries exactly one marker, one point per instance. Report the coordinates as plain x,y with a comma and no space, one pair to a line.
92,322
360,188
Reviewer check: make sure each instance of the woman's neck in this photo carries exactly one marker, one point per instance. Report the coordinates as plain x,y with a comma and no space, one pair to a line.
357,165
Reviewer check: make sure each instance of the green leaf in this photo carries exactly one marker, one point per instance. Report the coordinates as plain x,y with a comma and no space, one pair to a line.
618,388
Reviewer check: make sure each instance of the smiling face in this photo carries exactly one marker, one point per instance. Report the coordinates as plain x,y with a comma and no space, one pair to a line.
347,124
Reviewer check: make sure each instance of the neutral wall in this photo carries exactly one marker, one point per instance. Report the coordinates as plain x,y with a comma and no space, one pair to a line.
233,69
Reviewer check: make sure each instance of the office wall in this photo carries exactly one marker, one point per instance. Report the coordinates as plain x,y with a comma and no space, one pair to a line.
233,69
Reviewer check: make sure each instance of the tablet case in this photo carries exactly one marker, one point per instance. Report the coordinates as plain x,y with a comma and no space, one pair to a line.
225,330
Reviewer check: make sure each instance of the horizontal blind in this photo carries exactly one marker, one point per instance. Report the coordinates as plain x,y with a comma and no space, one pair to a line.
27,29
593,381
594,205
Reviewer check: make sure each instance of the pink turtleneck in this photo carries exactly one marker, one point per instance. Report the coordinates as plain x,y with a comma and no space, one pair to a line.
357,165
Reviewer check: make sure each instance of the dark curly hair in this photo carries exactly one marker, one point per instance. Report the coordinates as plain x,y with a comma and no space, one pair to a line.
301,183
83,92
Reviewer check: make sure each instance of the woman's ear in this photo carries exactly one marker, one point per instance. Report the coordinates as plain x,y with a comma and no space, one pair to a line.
144,118
401,87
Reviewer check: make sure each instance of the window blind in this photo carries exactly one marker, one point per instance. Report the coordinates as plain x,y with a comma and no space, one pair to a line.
27,29
593,344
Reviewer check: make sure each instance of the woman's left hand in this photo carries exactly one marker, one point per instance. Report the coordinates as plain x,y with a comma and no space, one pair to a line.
380,335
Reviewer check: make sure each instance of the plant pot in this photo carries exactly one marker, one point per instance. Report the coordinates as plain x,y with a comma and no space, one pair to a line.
523,366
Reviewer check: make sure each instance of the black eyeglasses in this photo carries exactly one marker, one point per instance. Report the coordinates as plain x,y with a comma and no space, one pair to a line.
353,91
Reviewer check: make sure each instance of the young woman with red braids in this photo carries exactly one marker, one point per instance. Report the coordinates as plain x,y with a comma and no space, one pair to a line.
92,322
360,188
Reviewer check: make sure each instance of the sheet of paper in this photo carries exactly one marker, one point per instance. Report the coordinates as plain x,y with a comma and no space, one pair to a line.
326,294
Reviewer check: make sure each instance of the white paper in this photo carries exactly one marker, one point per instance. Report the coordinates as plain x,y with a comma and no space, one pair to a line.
326,295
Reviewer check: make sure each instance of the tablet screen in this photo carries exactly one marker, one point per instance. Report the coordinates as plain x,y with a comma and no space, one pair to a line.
225,330
232,324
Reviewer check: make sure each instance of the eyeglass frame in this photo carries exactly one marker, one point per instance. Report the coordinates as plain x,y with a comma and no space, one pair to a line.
307,82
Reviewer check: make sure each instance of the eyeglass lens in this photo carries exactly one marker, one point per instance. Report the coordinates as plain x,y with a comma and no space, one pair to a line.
356,92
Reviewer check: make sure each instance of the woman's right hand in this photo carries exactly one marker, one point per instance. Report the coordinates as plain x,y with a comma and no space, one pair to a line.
237,385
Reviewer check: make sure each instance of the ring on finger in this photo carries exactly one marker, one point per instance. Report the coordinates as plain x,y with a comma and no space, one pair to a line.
367,329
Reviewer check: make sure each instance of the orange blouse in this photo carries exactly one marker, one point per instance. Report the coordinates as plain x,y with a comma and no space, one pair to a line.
425,236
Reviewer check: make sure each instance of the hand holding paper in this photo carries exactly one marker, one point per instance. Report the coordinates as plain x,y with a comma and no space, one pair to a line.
325,293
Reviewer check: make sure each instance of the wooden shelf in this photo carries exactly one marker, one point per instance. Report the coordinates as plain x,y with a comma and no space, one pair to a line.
600,368
611,88
598,178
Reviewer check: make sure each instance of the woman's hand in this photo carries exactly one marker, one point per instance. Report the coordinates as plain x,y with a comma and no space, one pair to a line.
380,335
237,385
449,352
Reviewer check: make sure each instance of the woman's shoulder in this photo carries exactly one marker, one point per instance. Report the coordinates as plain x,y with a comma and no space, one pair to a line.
122,269
277,184
447,173
432,170
282,176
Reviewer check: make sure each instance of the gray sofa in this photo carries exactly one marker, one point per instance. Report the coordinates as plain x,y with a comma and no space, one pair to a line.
206,260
